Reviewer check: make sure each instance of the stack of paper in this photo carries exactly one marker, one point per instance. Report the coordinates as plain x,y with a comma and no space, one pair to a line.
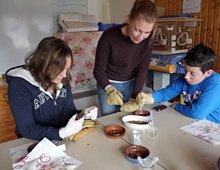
45,155
77,22
204,129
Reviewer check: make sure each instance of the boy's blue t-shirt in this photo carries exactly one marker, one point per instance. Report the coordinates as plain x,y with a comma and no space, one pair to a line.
202,100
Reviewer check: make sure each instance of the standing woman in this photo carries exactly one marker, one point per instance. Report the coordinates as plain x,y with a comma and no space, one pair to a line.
123,56
39,93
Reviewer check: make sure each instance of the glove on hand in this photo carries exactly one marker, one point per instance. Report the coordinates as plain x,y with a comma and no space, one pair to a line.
91,113
144,98
130,106
73,126
114,96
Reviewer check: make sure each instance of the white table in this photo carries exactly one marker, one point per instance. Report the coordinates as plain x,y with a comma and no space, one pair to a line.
96,151
176,149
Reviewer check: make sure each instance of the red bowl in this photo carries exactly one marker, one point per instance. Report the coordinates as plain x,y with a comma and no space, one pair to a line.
133,151
31,147
142,113
114,131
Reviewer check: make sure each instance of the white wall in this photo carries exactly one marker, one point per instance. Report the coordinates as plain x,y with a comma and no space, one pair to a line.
109,11
23,23
119,9
100,9
114,11
94,9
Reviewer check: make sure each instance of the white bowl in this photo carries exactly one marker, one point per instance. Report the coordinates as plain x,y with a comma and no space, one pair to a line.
128,118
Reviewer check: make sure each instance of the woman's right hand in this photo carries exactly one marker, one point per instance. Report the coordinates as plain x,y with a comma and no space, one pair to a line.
130,106
72,127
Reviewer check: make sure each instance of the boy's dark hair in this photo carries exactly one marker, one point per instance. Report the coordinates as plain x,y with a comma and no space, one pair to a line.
201,56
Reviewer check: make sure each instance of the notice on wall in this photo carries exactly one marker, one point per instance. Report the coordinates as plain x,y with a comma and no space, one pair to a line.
191,6
67,7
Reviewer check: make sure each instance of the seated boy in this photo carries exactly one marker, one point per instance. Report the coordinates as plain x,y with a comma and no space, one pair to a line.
200,88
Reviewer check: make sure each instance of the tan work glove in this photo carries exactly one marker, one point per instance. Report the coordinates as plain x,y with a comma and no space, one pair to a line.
144,98
114,96
130,106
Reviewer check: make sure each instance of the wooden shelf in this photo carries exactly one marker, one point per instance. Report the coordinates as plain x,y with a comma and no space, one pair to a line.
179,19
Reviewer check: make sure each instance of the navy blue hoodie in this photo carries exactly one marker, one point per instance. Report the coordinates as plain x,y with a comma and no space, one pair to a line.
36,112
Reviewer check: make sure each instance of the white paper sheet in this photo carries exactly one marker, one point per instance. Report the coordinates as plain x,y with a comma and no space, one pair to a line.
191,6
45,155
204,129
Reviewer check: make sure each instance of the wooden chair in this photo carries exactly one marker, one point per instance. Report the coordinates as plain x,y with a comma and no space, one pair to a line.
7,123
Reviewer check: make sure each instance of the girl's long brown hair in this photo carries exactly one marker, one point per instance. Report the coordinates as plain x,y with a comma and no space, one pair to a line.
48,60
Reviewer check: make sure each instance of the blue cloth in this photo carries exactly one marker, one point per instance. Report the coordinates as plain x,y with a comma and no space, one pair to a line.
105,26
124,88
36,112
202,100
176,16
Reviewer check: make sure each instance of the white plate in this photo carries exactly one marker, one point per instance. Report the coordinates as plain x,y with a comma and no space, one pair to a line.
127,118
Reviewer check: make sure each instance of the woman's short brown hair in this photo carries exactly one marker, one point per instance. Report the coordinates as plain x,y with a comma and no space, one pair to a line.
48,60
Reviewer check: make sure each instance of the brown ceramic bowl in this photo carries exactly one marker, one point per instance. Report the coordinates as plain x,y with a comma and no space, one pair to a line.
114,131
142,113
132,152
31,147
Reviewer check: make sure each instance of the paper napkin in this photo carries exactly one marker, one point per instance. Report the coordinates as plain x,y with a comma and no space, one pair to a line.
45,155
204,129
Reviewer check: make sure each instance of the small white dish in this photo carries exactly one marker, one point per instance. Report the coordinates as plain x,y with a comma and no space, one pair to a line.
136,122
